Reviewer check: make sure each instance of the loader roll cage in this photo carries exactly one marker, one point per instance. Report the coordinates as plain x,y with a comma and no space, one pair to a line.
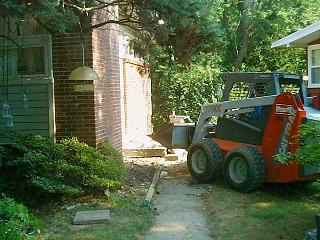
246,104
246,85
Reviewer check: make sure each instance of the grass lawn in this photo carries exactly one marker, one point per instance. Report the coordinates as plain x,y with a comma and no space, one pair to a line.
130,219
277,211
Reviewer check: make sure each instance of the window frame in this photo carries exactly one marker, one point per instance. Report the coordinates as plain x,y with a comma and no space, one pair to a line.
310,66
41,40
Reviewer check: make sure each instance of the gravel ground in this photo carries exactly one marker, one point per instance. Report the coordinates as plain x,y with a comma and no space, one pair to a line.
140,173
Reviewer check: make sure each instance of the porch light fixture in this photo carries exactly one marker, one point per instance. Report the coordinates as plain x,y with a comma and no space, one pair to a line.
83,73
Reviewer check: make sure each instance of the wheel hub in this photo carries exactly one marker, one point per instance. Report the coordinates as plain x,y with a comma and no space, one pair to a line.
238,169
199,161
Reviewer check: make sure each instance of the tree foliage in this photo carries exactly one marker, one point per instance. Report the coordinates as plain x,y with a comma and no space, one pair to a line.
267,21
180,88
246,30
308,152
184,26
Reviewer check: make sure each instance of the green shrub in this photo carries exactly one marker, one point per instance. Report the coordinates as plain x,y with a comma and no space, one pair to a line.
15,221
64,169
180,88
308,152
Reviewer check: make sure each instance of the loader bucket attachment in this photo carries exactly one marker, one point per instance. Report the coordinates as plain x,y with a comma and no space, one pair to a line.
175,135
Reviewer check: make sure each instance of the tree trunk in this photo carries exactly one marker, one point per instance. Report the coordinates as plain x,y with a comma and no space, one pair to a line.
245,6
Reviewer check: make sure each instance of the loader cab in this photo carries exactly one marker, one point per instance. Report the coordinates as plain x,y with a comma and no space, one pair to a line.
239,86
244,85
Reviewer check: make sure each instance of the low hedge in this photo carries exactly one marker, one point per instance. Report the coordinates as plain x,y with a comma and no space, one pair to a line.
69,168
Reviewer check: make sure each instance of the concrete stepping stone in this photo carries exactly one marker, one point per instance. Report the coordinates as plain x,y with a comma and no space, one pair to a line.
91,217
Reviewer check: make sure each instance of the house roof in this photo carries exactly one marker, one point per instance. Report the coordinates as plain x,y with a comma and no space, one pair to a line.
300,38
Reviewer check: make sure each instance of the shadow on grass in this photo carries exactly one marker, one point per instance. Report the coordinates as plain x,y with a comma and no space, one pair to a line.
291,191
275,211
297,190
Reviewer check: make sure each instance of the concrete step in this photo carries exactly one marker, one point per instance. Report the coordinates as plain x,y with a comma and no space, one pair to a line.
171,157
145,152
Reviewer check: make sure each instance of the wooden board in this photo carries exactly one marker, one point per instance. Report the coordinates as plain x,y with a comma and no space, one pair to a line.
33,119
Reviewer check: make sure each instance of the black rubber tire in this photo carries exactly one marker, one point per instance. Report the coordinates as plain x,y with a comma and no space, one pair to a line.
255,169
213,160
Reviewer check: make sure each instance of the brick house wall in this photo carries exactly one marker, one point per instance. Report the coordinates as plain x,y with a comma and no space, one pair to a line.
92,116
118,105
74,111
314,92
107,89
137,99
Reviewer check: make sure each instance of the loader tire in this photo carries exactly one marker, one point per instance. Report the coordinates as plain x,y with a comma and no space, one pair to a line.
244,169
204,160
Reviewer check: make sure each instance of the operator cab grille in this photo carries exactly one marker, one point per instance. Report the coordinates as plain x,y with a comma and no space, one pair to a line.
292,88
244,90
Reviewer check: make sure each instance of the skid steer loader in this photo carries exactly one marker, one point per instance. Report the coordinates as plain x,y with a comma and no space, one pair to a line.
258,116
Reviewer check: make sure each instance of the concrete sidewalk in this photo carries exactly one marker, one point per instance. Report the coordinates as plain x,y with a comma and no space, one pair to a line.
179,209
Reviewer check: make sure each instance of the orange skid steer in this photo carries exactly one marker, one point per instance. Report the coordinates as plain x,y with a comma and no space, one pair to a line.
258,116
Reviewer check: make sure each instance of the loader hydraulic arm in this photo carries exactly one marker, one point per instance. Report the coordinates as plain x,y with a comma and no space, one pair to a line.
226,108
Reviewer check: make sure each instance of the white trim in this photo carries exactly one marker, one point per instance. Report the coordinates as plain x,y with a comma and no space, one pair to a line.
300,38
310,48
51,98
122,105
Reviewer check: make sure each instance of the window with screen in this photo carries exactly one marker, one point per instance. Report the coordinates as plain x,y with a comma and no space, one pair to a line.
314,64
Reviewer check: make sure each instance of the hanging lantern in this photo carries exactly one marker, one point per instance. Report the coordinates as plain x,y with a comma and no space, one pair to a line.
6,110
24,100
9,121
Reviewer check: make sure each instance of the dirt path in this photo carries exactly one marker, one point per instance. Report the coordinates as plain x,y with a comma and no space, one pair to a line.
179,207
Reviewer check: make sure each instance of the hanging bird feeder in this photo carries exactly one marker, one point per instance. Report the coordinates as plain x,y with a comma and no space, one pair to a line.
6,110
6,114
9,121
24,100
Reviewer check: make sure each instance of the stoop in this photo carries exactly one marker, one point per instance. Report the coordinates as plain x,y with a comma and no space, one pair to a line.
145,152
